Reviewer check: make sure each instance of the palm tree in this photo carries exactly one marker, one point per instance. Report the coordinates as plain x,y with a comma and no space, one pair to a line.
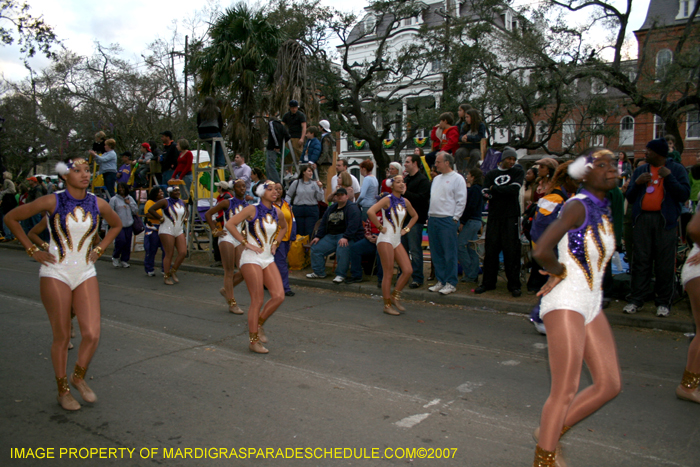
239,63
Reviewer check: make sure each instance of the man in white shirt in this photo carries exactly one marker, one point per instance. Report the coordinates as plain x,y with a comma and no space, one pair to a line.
448,197
342,166
241,170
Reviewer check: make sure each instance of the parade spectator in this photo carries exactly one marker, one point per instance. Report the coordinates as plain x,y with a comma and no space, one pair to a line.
277,134
98,146
257,176
126,208
304,195
183,169
7,203
367,247
108,165
501,189
469,226
312,147
144,161
418,193
470,135
545,169
527,191
656,192
295,121
124,172
624,167
462,118
346,181
241,170
672,153
340,228
444,137
209,125
341,166
327,149
394,169
155,168
170,155
283,248
33,194
370,188
223,192
151,240
50,187
448,197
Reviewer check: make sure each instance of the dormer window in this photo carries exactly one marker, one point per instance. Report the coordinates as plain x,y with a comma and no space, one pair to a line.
685,7
370,23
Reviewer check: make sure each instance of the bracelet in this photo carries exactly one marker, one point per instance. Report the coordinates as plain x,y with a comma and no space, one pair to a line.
215,231
98,250
45,246
561,276
406,229
275,242
31,250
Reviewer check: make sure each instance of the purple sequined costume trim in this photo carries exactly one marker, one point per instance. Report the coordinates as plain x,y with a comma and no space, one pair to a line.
167,211
233,204
66,206
393,203
597,214
261,212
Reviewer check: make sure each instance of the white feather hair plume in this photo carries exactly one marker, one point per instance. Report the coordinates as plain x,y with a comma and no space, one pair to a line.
579,168
62,168
389,182
260,189
170,189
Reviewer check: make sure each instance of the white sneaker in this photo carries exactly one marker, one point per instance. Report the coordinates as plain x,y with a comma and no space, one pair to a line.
630,308
314,276
436,287
125,264
662,311
540,328
448,289
116,263
338,280
151,274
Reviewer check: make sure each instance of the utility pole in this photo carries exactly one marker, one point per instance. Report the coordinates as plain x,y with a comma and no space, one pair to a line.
186,54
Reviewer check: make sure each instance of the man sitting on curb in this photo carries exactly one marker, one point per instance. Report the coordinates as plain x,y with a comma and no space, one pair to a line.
340,228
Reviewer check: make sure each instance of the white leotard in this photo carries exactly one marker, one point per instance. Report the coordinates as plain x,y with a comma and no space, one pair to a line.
392,219
235,206
690,271
173,218
261,231
72,227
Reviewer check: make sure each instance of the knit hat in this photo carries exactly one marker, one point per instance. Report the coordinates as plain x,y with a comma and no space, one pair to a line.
659,146
509,152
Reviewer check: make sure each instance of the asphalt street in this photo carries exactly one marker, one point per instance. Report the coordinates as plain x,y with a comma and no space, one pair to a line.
173,371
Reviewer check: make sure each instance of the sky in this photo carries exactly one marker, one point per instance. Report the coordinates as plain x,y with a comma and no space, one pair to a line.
133,24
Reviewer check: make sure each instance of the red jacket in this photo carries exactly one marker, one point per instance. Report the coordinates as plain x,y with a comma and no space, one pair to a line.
448,141
184,165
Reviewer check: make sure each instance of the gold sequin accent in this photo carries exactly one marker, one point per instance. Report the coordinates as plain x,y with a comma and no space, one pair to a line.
587,275
690,380
253,337
544,458
57,228
261,321
62,384
79,372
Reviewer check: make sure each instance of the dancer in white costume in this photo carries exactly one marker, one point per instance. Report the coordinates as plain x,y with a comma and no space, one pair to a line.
230,248
172,231
688,389
67,275
265,228
577,330
394,207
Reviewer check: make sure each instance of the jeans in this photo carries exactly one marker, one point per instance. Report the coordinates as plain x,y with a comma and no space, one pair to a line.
281,262
6,229
122,244
271,166
29,223
413,244
468,257
306,216
326,246
219,159
167,175
110,179
442,232
188,184
151,243
357,251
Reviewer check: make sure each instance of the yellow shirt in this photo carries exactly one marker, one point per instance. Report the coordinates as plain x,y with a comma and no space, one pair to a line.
288,216
150,203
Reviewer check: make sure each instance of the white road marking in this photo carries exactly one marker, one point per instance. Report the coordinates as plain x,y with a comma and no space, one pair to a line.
413,420
510,363
431,403
539,345
468,387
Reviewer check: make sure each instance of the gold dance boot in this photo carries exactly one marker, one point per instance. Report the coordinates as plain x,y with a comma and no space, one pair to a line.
232,305
544,458
167,280
255,345
65,398
559,462
395,297
77,379
261,331
173,274
689,381
388,309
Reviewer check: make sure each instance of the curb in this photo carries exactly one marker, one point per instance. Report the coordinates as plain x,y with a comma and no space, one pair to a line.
615,319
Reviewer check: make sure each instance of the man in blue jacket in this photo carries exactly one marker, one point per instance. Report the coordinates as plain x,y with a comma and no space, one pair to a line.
312,147
340,228
656,192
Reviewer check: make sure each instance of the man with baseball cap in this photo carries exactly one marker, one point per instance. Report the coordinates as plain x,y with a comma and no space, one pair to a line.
295,121
340,228
656,192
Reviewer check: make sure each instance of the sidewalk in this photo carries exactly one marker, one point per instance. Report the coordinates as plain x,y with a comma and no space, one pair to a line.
680,319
